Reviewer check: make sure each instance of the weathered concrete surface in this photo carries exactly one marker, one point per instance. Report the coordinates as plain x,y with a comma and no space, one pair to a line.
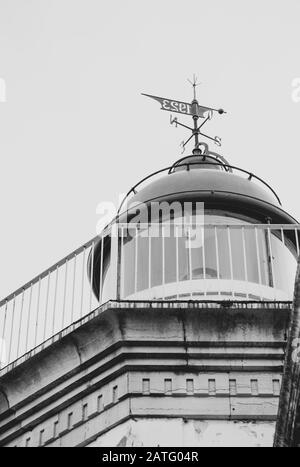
193,360
185,433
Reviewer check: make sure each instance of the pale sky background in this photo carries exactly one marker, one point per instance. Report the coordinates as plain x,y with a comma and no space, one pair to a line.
75,130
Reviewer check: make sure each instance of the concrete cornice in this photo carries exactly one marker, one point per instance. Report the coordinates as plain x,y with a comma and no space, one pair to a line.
145,337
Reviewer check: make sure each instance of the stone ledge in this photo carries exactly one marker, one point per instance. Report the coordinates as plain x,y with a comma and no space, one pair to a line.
121,337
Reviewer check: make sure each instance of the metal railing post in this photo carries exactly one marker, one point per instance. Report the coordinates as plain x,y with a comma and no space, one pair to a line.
115,262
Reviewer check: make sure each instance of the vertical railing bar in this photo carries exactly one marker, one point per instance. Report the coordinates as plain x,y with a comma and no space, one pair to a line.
177,253
230,252
92,274
117,292
163,260
297,241
149,258
54,300
217,253
244,254
37,312
4,322
65,293
282,236
73,289
19,331
122,256
101,272
11,331
82,281
203,251
135,260
2,343
28,318
190,253
271,258
257,255
46,306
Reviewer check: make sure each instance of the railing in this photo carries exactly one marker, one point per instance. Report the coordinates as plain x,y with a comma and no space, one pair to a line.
44,306
62,295
188,165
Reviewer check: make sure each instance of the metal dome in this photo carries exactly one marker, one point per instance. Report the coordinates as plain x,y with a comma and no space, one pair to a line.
225,187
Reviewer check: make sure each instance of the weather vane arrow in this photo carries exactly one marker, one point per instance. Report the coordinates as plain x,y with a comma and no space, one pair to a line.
193,109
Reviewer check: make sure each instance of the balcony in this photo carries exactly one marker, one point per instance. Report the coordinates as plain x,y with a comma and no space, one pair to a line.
211,262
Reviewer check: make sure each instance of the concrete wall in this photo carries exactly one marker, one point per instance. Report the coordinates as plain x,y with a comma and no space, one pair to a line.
185,433
169,362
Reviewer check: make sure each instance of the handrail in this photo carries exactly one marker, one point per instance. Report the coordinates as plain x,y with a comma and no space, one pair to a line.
211,155
88,244
188,164
45,273
62,294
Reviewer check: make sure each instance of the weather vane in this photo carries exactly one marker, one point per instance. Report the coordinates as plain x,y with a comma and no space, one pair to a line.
194,84
193,109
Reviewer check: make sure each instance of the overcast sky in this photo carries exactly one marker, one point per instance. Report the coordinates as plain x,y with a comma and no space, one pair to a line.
75,131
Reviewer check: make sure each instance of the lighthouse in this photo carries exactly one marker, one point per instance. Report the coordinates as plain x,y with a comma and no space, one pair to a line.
193,229
168,328
204,228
